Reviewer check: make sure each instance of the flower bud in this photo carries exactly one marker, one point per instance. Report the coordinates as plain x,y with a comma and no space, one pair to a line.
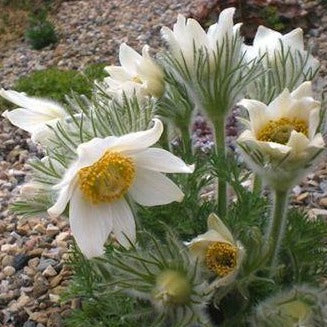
172,287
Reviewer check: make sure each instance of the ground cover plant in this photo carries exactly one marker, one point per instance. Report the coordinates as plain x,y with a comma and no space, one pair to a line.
169,235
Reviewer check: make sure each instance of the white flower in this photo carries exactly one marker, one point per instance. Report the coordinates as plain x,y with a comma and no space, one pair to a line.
187,35
33,114
218,250
107,170
281,139
137,73
273,44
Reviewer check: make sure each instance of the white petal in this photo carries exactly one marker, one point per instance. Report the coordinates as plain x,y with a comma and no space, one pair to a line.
198,34
128,58
257,112
294,39
304,90
278,108
151,188
266,37
26,119
123,223
161,160
139,140
118,73
91,151
90,224
298,142
64,196
215,223
317,142
302,108
42,106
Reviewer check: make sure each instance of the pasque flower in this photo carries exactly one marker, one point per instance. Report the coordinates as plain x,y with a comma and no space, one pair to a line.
105,172
272,43
281,139
218,250
137,73
33,114
188,35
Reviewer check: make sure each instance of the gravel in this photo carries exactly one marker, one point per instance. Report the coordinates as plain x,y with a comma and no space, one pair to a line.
33,251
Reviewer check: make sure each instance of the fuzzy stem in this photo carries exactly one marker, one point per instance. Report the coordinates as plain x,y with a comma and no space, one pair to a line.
186,140
219,131
277,226
257,184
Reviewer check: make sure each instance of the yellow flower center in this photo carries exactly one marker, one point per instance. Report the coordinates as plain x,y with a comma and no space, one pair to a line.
137,79
108,179
221,258
280,130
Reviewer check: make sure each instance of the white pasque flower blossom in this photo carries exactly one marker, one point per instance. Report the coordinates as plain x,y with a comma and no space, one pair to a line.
108,169
281,139
137,73
274,44
219,252
33,114
187,35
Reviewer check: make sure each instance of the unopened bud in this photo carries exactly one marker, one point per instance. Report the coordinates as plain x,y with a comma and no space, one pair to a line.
172,287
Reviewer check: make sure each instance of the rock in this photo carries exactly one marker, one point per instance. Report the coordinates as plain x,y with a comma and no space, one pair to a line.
40,317
56,281
20,261
40,286
44,263
9,270
63,236
54,298
40,228
55,320
323,202
29,323
52,230
7,260
49,272
20,303
9,248
33,263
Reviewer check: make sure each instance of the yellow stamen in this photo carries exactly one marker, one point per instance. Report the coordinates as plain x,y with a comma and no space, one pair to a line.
280,130
108,179
137,79
221,258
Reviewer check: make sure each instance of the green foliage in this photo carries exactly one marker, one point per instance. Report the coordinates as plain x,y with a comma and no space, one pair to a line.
40,32
54,83
304,249
187,218
95,72
271,17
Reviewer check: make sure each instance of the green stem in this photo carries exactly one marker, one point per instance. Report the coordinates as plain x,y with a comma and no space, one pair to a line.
219,130
277,226
186,140
257,184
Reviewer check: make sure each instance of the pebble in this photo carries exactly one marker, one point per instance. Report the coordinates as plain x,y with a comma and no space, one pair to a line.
52,230
49,272
20,260
9,270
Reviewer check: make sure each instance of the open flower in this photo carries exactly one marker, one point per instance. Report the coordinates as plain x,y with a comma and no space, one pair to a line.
108,169
33,114
218,250
282,140
137,73
286,51
187,35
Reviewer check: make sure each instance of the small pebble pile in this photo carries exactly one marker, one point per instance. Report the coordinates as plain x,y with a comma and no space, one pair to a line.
33,250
